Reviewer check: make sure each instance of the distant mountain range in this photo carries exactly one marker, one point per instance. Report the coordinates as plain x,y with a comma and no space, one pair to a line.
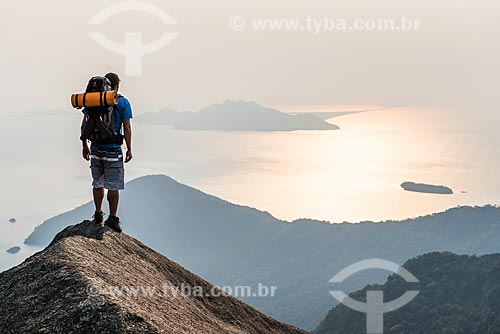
229,244
458,294
236,116
93,280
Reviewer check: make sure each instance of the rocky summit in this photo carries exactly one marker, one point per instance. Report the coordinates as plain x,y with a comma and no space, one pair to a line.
92,280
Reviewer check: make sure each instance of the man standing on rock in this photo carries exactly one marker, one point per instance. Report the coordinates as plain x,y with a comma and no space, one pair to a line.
106,159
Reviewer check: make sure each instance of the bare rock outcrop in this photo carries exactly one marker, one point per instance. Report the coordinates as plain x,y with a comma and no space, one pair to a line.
92,280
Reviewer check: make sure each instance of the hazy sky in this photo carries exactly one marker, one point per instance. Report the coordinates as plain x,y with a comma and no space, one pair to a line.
453,58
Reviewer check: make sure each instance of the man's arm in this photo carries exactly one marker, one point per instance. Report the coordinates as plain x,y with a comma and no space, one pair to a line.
127,133
85,146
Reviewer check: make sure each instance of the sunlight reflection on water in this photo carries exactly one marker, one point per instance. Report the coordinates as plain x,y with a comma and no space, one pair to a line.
348,175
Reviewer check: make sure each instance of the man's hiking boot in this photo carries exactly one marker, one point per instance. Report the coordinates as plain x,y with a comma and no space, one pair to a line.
98,217
113,223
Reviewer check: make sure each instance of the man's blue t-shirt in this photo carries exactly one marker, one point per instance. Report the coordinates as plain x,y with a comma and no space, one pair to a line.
123,111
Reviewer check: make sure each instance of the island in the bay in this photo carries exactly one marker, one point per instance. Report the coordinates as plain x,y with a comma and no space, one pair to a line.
13,250
426,188
236,116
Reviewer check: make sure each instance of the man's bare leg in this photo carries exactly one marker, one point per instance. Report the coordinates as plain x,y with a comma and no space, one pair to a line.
98,198
113,198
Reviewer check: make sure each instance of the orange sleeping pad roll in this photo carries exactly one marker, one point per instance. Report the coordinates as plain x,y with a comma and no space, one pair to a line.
97,99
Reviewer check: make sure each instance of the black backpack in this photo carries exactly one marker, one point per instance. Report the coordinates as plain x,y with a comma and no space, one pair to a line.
100,125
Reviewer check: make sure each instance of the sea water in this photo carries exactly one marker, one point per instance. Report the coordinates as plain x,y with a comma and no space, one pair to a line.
353,174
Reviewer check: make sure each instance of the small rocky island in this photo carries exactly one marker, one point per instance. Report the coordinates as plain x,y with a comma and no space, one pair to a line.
13,250
426,188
